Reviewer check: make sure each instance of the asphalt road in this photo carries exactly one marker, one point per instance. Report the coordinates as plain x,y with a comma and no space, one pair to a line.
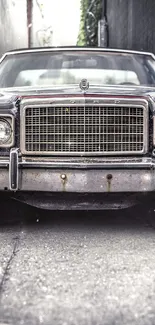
78,269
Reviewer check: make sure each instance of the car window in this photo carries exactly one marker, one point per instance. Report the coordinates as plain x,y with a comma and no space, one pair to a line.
40,69
73,76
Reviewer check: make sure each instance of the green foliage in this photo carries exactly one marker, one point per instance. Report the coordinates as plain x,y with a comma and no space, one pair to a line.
88,34
82,38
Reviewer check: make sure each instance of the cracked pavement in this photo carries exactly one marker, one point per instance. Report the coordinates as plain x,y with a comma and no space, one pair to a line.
78,268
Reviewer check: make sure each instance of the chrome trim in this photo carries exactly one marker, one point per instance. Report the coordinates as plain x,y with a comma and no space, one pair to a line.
12,124
14,170
82,163
94,49
94,164
84,101
4,164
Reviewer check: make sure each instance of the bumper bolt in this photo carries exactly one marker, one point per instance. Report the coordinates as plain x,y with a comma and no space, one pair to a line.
63,176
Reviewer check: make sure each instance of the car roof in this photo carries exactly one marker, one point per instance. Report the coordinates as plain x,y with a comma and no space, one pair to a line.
74,48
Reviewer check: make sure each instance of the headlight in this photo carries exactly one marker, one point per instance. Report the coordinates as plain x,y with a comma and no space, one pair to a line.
5,132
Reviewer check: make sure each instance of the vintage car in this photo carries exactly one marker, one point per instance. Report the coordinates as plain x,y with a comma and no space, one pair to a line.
77,127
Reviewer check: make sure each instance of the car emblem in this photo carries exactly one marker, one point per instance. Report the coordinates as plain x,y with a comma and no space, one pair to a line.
84,84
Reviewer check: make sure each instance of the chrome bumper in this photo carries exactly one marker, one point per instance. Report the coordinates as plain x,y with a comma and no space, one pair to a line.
83,175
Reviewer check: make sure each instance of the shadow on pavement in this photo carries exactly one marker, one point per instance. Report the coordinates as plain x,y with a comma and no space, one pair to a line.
14,213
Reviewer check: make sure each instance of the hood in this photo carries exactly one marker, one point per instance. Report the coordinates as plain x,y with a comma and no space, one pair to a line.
9,94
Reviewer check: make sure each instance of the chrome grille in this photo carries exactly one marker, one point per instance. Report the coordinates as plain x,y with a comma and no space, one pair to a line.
84,130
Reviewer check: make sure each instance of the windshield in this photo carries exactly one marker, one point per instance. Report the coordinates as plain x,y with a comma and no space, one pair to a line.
69,67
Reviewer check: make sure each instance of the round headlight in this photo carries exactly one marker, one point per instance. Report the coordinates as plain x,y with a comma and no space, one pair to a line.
5,131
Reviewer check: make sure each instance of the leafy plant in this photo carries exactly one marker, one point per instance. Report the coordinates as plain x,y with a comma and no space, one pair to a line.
90,15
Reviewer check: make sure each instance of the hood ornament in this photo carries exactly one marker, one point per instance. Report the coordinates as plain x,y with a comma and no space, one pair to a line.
84,84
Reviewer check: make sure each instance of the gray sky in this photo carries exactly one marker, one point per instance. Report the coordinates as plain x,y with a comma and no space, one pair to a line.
64,17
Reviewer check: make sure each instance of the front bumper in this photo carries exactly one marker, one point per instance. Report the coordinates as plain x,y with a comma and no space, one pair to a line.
72,175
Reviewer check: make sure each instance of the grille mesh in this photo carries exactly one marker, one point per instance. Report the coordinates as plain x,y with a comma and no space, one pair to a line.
84,129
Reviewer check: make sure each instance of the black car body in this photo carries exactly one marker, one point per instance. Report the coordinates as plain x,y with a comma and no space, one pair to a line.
77,127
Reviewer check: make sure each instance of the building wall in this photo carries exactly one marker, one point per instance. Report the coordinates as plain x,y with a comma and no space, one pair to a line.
13,25
55,22
131,24
42,33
